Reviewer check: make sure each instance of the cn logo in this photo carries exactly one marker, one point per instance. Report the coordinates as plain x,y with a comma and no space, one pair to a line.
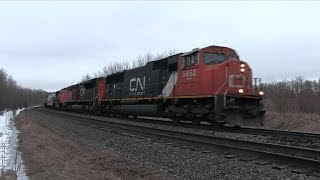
82,91
137,84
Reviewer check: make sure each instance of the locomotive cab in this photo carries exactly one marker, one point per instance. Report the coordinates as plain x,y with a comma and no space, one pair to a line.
215,75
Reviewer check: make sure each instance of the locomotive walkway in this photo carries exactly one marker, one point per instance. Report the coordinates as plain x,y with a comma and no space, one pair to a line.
300,160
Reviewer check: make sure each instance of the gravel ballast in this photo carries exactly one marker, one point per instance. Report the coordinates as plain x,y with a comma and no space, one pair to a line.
48,154
174,162
229,135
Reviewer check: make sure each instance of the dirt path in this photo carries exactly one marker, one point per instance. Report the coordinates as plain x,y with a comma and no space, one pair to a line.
48,155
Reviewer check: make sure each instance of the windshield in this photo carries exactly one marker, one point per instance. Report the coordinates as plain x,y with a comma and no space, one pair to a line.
214,58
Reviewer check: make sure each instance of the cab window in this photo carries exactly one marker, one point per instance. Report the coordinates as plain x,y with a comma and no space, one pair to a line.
190,60
214,58
234,56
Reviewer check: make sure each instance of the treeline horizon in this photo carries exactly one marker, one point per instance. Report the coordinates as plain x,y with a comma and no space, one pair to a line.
295,96
13,96
122,65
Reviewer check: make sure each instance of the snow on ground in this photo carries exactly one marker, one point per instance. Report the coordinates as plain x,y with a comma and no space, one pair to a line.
10,158
5,133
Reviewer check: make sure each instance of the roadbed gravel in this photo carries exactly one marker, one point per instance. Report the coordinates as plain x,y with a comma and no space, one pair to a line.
171,161
229,135
51,155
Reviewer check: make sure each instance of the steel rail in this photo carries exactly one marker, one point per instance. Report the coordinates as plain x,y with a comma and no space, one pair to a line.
298,156
287,136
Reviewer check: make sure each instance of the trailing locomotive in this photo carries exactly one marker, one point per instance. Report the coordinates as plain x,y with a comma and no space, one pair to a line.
210,84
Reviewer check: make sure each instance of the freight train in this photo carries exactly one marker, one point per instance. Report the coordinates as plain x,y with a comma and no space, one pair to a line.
210,84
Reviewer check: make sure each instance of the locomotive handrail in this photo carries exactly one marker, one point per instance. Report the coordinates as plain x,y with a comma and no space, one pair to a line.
226,80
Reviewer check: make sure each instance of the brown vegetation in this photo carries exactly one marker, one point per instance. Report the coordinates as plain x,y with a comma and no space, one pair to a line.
300,122
9,174
48,155
13,96
293,105
296,96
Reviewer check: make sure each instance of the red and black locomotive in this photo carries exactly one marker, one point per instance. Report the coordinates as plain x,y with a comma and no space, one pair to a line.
210,84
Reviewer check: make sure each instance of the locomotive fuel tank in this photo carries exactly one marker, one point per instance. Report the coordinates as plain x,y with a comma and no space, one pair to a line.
142,109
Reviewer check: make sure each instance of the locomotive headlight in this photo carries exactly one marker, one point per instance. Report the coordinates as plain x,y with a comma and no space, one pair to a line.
261,93
242,70
240,91
242,65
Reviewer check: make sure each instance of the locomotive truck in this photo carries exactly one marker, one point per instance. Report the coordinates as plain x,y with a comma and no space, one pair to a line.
210,84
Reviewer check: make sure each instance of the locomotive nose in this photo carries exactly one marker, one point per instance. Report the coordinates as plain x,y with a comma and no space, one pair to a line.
239,78
238,81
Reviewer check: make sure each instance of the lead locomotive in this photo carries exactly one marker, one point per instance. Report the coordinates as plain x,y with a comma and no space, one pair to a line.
210,84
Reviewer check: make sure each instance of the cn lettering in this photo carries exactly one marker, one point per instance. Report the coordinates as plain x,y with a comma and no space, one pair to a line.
137,84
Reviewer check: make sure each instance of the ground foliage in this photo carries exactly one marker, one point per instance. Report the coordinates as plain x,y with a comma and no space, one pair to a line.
296,95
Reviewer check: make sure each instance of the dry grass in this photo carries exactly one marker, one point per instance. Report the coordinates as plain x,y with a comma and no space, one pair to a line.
9,174
301,122
48,155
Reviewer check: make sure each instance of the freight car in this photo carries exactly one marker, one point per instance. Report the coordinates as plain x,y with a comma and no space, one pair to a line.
210,84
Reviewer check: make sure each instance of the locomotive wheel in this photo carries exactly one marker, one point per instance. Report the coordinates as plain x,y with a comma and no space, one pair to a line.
173,117
195,121
175,120
218,124
97,111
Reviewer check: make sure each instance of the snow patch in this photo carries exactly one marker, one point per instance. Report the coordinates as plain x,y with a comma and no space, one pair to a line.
10,157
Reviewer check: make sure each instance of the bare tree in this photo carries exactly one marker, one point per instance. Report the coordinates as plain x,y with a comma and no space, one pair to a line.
86,77
143,60
3,87
297,95
115,67
139,61
13,96
98,74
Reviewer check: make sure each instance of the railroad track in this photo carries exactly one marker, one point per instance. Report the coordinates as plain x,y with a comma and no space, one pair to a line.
312,140
274,136
298,159
283,137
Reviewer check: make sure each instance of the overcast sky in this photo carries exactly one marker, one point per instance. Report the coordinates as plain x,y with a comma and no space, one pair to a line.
50,45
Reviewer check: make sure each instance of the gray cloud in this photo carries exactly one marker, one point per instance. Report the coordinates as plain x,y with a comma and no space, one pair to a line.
48,44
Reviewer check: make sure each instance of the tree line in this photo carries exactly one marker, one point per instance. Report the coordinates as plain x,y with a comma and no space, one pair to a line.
119,66
13,96
296,95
